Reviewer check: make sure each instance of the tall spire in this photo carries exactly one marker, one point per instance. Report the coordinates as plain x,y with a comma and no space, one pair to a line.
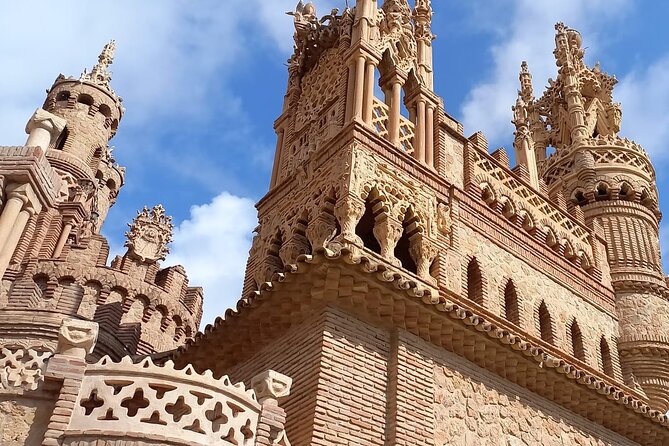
100,74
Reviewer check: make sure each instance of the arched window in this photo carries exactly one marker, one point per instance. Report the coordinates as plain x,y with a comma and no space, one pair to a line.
85,99
105,110
365,227
545,323
576,339
403,247
511,307
474,282
605,352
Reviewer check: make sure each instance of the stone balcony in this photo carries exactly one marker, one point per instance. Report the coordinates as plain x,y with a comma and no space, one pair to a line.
131,403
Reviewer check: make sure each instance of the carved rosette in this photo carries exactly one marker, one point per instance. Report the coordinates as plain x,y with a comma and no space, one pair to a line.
149,235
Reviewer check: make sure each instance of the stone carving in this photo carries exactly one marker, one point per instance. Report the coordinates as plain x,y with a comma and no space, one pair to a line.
21,368
397,33
271,385
147,399
149,235
100,74
77,337
313,35
444,220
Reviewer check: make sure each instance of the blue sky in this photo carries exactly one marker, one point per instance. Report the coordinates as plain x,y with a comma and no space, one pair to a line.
204,80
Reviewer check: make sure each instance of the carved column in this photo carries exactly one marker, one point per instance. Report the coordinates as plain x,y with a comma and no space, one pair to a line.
388,232
359,91
13,237
292,248
277,157
11,211
64,235
43,128
269,388
423,252
349,210
429,136
419,136
321,231
395,107
368,106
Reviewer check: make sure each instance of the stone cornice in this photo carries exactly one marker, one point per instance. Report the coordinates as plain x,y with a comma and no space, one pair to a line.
545,357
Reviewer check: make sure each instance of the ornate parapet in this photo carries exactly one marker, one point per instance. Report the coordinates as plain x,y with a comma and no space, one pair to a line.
21,369
130,401
500,188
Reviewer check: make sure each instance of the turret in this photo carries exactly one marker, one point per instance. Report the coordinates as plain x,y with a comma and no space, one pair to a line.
92,112
613,182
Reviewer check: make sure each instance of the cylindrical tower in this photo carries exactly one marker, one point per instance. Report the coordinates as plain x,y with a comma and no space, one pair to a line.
92,111
612,180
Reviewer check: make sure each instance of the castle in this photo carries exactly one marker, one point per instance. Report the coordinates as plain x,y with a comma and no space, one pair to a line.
404,286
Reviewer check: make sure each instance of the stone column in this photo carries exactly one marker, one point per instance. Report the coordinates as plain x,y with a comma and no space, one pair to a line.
429,136
368,107
13,237
358,97
67,229
269,387
419,133
394,115
388,232
9,214
277,158
43,128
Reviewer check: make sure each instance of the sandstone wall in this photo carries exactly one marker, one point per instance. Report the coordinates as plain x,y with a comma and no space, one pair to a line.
24,419
532,286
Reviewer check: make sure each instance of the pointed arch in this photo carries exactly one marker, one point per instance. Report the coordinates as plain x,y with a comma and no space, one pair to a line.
403,247
575,338
365,227
511,306
474,282
544,323
605,357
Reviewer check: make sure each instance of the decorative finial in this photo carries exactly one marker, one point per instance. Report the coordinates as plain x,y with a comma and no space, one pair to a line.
100,74
526,91
149,235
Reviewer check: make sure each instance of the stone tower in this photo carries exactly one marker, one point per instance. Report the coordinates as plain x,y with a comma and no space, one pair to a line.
611,180
56,193
421,291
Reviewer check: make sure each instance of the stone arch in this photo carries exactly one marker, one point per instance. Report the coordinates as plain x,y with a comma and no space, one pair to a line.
136,309
70,294
544,323
511,304
474,282
105,110
91,294
374,208
602,191
41,281
575,340
85,99
410,227
164,314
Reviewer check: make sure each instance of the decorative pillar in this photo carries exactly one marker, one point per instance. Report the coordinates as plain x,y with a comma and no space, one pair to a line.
349,210
429,136
277,158
368,106
65,233
419,135
394,115
13,237
269,388
423,252
388,232
43,128
358,96
9,214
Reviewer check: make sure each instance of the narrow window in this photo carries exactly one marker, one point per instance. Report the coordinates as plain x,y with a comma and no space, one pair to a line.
605,351
574,333
545,324
474,282
511,311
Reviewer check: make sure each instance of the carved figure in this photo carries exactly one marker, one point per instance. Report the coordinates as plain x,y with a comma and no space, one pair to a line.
149,235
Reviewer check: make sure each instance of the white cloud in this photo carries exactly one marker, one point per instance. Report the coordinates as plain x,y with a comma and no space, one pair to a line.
528,35
644,95
213,246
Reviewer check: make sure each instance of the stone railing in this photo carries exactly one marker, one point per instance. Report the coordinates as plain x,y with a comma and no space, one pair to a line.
125,400
21,368
500,185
